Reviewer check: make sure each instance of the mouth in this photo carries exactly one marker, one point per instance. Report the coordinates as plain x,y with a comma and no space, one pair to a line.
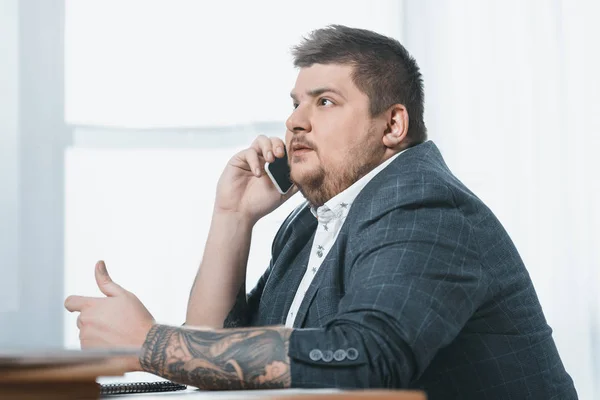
299,149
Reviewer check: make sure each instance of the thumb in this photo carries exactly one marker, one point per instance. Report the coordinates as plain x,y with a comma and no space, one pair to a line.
105,283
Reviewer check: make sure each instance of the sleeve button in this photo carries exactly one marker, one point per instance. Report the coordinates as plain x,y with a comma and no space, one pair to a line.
327,355
315,354
352,354
339,355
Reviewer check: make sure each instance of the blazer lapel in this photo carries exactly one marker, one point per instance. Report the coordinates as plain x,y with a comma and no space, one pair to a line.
325,271
290,264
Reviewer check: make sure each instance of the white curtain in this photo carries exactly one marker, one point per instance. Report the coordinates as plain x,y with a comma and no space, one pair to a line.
512,98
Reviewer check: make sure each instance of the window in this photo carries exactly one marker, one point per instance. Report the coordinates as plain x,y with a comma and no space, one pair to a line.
174,63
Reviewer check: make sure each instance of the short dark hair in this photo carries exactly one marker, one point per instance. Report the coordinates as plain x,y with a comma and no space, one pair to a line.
383,69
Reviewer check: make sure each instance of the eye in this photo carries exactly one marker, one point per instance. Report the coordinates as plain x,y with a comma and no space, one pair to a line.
295,105
325,102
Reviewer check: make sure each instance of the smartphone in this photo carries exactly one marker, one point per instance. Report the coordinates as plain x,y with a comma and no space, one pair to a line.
279,172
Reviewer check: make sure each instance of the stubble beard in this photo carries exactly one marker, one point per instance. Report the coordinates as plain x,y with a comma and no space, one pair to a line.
321,185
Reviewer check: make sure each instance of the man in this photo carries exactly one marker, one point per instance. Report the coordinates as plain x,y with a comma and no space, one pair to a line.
393,274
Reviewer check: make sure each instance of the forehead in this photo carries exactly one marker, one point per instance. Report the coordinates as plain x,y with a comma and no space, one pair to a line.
335,76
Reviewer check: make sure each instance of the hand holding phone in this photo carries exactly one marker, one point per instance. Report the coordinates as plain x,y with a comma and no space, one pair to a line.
279,172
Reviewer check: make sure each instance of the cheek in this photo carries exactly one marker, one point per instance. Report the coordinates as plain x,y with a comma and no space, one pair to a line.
345,137
337,148
337,136
334,157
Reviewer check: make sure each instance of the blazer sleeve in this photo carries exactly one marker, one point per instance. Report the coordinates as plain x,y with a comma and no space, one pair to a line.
413,279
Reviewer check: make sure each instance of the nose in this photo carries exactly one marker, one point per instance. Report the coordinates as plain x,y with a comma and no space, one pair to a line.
299,121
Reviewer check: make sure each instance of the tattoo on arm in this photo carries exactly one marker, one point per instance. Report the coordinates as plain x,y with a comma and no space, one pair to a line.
254,358
239,315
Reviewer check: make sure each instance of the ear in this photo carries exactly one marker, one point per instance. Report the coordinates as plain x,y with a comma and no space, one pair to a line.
397,126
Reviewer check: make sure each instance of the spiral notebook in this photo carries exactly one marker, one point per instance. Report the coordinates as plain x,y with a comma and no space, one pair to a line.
108,389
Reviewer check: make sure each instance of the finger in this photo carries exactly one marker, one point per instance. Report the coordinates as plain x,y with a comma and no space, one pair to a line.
278,146
104,281
264,147
78,303
79,323
89,339
87,334
253,161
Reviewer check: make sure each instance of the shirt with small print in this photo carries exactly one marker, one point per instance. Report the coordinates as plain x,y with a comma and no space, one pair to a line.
331,217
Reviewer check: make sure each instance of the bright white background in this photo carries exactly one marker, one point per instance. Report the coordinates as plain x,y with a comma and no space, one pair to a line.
156,63
173,88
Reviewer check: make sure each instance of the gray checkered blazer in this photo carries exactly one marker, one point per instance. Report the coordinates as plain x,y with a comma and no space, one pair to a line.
422,289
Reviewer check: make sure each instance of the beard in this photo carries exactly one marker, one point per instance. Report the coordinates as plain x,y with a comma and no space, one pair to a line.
320,185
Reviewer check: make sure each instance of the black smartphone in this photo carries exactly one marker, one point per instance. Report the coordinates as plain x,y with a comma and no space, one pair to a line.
279,172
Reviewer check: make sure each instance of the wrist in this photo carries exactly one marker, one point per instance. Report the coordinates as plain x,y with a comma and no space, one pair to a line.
233,218
133,364
144,360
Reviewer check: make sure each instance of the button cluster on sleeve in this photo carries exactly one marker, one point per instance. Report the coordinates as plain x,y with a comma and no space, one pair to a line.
329,356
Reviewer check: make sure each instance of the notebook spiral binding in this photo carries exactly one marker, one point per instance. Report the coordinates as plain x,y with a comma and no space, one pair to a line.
140,387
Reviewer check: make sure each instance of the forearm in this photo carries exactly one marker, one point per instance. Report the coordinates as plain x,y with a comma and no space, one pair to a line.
255,358
222,273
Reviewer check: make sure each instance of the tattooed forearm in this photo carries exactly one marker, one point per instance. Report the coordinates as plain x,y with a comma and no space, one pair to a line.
239,314
253,358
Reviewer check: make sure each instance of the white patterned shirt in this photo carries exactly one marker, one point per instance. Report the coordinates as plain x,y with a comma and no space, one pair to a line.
331,217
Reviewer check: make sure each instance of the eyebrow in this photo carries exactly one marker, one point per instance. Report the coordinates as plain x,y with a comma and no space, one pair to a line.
319,91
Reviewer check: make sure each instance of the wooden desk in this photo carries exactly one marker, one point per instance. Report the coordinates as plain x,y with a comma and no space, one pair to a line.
284,394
